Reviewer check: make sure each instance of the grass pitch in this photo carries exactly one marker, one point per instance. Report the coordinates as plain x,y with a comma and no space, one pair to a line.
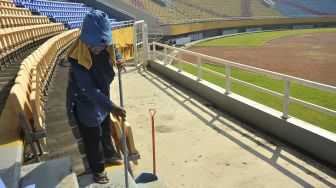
257,39
315,96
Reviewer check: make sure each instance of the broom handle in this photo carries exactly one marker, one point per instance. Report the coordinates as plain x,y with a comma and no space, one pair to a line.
152,112
123,130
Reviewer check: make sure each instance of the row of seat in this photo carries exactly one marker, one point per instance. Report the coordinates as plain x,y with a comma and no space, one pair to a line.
4,3
37,8
15,21
65,19
74,24
15,11
49,3
27,93
77,21
12,39
61,13
25,96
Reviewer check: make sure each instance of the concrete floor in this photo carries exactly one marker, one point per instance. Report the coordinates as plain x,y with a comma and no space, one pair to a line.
200,146
196,144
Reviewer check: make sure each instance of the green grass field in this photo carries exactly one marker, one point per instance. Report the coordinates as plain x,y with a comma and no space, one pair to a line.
315,96
299,91
257,39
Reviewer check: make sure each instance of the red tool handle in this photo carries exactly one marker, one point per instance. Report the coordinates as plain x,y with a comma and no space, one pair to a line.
152,113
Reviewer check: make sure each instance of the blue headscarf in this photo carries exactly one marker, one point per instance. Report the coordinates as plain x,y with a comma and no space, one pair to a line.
96,27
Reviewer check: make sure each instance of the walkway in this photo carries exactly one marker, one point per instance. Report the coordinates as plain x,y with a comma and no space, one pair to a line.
197,145
200,146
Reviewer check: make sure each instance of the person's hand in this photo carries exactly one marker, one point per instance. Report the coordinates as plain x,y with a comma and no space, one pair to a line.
119,112
120,64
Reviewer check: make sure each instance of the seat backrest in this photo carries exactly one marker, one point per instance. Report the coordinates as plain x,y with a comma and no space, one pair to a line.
18,97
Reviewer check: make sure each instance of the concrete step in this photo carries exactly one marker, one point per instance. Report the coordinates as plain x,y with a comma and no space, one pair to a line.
54,173
116,175
149,180
8,74
10,163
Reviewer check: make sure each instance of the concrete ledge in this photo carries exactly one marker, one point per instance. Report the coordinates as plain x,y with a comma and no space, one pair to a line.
317,141
10,163
55,173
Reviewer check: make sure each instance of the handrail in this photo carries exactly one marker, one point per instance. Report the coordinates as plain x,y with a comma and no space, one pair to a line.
188,21
229,64
122,24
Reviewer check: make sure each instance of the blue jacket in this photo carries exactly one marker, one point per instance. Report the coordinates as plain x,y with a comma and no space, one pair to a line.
88,90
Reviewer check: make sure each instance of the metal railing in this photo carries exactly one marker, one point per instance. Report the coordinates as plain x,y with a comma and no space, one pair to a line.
121,24
287,80
140,45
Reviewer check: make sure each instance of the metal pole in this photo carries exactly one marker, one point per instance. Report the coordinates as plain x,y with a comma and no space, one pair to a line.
228,81
179,61
165,61
286,99
154,51
25,126
199,67
123,130
135,41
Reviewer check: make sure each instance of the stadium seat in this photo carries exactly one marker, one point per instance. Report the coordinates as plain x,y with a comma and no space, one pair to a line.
15,39
35,70
15,21
15,11
4,3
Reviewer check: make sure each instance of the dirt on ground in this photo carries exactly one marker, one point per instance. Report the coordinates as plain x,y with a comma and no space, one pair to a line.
308,56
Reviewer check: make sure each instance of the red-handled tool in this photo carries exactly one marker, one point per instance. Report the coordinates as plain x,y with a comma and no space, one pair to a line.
152,113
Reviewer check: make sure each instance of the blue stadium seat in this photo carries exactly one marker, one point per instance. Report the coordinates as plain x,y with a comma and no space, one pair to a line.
306,8
71,14
74,24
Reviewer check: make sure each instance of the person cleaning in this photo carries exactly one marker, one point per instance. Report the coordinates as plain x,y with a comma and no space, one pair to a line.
92,57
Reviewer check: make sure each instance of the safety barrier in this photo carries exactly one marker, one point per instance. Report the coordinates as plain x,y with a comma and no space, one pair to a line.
123,40
287,80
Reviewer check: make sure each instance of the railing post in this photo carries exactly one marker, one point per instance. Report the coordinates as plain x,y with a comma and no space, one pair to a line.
286,99
199,67
154,50
179,61
135,41
165,61
145,42
228,81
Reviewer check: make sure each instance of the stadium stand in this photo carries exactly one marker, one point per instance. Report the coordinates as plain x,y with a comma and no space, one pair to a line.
26,96
182,10
162,14
71,14
260,10
190,11
309,8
